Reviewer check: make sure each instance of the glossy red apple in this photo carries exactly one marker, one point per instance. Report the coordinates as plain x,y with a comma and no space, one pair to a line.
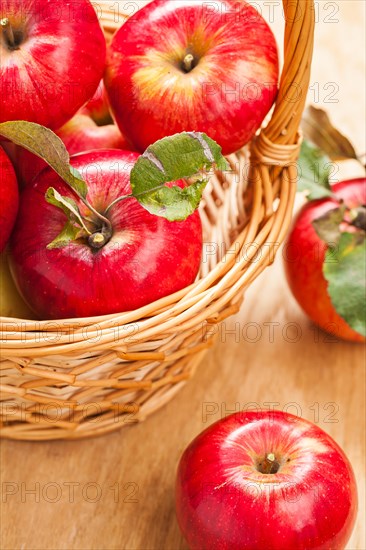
304,258
265,481
8,198
52,59
98,107
180,65
145,257
80,134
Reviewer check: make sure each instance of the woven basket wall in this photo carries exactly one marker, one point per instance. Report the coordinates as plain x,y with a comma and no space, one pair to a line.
83,377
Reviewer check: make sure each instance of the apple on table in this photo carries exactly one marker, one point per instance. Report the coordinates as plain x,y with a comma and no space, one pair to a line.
306,254
265,480
325,251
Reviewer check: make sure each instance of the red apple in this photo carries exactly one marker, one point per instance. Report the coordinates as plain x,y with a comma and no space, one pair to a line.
10,149
52,59
265,481
145,257
304,258
180,65
80,134
98,107
8,198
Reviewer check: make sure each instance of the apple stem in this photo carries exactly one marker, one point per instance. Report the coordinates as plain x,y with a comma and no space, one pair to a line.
131,196
269,465
8,33
187,62
97,240
106,223
116,201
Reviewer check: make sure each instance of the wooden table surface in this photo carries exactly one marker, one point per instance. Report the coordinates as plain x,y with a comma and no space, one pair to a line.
116,491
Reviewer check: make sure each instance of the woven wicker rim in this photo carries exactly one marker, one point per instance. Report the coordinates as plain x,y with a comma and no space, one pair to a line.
133,362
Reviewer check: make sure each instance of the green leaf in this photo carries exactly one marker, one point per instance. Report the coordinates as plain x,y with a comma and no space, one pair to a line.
67,205
314,168
78,176
344,269
173,203
45,144
327,226
172,158
318,128
69,233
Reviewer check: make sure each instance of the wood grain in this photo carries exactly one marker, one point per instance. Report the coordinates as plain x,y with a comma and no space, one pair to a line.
117,492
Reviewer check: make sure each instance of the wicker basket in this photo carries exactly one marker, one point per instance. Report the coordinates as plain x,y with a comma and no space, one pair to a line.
83,377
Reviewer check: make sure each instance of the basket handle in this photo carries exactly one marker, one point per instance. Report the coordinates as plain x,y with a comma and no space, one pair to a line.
279,143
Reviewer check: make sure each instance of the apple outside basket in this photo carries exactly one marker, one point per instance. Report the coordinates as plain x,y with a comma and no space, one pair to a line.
83,377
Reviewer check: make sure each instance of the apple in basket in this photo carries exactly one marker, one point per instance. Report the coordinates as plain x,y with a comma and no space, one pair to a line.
97,107
265,481
180,65
52,59
84,245
79,134
8,198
